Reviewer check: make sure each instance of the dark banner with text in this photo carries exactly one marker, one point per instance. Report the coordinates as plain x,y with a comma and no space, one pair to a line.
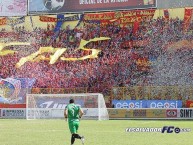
62,6
185,113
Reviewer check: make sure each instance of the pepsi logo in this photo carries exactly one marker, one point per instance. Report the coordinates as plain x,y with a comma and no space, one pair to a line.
166,105
131,105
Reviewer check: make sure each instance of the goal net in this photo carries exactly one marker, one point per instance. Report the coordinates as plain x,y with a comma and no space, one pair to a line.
51,106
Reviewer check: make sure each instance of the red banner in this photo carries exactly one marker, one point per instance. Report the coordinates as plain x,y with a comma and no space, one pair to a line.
166,14
189,104
187,18
12,105
122,17
3,21
47,19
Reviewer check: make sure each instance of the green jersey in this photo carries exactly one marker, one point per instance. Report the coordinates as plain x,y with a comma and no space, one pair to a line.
73,112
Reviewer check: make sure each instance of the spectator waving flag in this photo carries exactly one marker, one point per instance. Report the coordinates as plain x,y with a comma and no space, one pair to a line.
166,14
135,27
81,17
60,21
187,18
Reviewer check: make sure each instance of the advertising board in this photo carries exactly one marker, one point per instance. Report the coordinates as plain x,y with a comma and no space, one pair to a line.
13,113
147,103
13,7
136,113
185,113
156,113
65,6
171,113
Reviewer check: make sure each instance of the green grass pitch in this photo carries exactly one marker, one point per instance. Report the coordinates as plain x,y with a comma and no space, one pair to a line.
112,132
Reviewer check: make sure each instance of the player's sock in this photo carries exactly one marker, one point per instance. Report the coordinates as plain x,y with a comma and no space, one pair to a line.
77,136
82,139
72,139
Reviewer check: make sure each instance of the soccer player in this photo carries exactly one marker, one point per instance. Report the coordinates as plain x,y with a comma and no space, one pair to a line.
73,113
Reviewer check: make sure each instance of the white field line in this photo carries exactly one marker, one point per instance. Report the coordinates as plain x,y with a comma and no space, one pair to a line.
36,130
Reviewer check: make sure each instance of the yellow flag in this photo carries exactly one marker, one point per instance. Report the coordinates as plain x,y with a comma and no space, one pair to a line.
40,58
6,52
94,54
99,39
2,45
23,60
69,59
84,42
57,54
17,43
46,49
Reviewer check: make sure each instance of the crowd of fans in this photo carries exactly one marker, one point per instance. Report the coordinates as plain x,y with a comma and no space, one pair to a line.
143,57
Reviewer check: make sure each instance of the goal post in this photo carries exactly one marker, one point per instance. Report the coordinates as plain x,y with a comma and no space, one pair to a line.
51,106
